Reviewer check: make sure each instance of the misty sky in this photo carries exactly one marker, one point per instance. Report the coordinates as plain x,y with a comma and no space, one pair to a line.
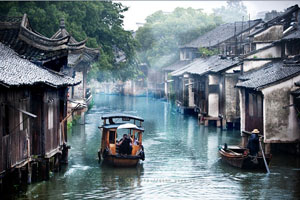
139,10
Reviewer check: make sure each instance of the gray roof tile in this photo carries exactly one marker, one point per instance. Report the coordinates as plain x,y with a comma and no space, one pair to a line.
268,74
293,35
220,34
205,65
16,71
177,65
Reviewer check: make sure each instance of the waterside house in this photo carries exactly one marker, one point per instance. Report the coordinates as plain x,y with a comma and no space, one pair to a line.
33,102
268,103
228,39
80,59
268,92
206,86
211,80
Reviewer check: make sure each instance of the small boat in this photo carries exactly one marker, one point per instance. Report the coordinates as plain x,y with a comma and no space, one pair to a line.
238,157
121,154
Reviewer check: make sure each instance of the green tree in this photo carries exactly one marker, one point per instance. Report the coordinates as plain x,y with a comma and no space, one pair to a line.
234,11
100,22
163,34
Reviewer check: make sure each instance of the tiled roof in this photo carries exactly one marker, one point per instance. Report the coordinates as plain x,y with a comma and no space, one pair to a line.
16,71
276,20
78,51
293,35
221,34
296,93
268,74
177,65
205,65
17,33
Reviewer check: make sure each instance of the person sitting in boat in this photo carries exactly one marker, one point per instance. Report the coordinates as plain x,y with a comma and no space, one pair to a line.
130,137
135,141
120,144
124,145
253,143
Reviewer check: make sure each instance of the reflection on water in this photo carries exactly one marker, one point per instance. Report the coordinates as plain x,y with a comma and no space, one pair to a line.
182,161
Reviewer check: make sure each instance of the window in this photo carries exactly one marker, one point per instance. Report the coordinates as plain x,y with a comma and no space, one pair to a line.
112,137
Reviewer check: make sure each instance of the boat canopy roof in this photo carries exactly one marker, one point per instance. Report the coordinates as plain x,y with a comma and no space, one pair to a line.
122,126
121,115
127,126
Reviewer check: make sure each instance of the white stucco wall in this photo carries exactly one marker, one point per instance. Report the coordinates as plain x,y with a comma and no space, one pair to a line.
78,89
231,98
242,108
231,70
249,65
281,123
191,93
166,83
270,34
127,87
272,52
213,80
213,105
261,45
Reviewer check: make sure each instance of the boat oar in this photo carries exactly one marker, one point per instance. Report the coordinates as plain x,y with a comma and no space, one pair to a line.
263,154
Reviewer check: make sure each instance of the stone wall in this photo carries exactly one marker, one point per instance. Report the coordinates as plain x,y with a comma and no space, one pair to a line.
281,123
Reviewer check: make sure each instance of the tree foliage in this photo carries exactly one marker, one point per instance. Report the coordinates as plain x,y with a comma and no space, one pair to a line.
163,33
207,52
101,22
234,11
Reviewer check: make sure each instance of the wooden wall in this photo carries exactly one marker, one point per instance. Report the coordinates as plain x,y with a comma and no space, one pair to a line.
15,135
254,111
35,136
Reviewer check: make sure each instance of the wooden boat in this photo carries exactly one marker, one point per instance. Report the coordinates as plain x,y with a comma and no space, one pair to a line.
239,157
110,150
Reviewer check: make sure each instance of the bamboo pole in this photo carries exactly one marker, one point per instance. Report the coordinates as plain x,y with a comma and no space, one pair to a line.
263,154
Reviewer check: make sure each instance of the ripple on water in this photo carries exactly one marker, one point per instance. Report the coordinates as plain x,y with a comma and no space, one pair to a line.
182,162
76,169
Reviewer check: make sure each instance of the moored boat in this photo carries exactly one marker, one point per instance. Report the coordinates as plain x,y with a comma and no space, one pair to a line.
128,150
239,157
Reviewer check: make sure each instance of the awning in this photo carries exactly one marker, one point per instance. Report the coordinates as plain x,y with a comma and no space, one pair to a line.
128,126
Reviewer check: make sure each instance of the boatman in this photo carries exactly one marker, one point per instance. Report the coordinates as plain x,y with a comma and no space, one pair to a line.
253,142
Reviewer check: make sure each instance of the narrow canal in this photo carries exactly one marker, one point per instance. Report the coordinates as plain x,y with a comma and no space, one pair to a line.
182,161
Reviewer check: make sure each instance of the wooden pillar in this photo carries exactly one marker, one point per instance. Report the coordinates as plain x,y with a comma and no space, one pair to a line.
267,148
201,120
224,124
244,140
219,123
206,122
29,173
1,186
57,162
19,178
44,169
64,156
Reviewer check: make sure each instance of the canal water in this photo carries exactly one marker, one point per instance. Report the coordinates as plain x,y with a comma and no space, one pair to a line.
182,161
